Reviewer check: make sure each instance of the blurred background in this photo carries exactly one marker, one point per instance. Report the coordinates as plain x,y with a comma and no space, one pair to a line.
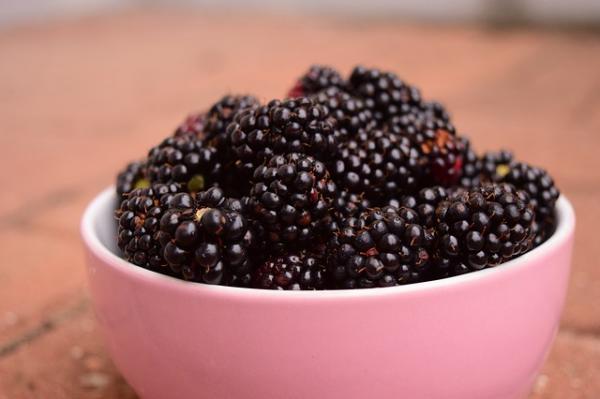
88,85
531,11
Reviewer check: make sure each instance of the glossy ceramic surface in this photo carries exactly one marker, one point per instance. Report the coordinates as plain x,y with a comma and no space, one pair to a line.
480,335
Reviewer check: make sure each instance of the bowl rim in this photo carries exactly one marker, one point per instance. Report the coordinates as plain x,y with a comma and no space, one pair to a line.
564,231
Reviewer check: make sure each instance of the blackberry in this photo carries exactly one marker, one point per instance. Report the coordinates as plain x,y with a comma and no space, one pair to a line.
377,165
441,151
280,127
380,248
207,240
221,115
540,187
291,199
481,228
139,215
186,160
317,78
501,166
350,113
132,177
296,271
211,125
383,92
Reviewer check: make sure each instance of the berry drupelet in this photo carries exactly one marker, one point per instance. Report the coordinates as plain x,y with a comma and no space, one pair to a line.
132,177
317,78
139,216
377,165
186,160
380,248
296,271
281,127
291,199
482,227
207,239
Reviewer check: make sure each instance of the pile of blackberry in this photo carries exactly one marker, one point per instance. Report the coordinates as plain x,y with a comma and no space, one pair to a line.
354,182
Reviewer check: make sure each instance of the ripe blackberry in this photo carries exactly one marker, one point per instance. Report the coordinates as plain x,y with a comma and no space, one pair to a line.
377,165
278,128
350,113
221,115
139,215
296,271
317,78
482,227
380,248
207,240
132,177
383,92
291,198
540,187
502,167
186,160
441,151
211,125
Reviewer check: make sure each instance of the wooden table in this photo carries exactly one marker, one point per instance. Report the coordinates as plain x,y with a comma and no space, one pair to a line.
80,98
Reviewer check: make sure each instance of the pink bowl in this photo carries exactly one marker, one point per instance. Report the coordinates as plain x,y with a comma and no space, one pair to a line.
480,335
